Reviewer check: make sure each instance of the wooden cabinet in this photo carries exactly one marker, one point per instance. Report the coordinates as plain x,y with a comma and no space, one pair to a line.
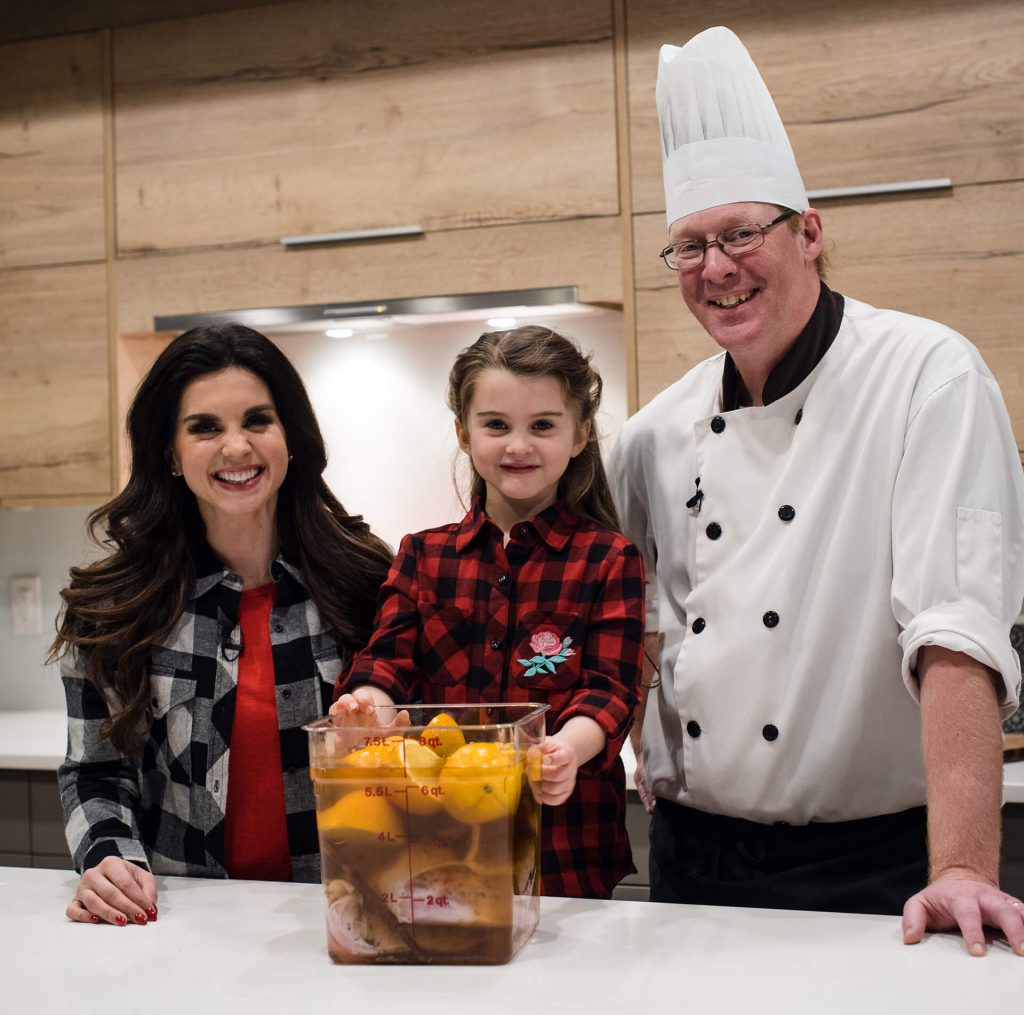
871,91
51,151
54,384
321,116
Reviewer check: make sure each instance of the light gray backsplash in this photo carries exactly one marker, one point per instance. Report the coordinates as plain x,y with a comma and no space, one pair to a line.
46,542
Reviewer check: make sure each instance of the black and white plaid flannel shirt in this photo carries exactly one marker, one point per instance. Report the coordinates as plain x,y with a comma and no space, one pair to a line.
165,810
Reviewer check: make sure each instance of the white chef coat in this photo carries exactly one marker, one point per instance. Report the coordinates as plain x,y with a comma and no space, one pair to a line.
876,508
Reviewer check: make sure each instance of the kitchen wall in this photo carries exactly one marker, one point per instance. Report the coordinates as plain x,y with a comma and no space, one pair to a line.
43,542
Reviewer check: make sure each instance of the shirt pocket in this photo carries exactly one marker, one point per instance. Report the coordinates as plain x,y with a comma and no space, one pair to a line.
979,552
328,666
172,706
547,650
446,638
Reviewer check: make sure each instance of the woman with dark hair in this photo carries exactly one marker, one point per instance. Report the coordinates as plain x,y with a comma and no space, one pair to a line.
235,588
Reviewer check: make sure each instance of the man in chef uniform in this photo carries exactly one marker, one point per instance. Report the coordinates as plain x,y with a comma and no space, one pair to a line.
832,515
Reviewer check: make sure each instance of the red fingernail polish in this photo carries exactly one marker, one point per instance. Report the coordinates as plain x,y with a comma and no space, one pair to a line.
95,919
120,920
151,912
140,919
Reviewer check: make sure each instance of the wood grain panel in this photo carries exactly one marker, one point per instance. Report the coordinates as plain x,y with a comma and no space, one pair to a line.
54,385
322,116
870,90
59,17
51,151
954,258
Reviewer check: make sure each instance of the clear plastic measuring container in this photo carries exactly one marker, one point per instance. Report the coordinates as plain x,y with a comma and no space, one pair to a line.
430,833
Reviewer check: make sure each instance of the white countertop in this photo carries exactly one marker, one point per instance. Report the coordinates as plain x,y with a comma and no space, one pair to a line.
37,740
252,947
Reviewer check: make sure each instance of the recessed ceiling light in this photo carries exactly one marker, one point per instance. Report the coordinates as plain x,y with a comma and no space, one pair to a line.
501,322
339,332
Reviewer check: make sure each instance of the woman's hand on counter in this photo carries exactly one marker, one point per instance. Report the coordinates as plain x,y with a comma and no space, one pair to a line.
114,891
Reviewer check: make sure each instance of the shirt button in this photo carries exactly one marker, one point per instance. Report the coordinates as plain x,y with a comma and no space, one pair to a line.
524,530
698,625
502,578
286,693
216,785
693,728
770,732
799,416
495,643
786,513
717,424
771,619
714,530
279,627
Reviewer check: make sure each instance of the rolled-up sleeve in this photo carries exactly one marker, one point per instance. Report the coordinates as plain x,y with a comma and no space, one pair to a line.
958,531
99,786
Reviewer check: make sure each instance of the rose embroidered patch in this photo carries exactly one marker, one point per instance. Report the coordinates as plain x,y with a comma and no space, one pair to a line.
551,650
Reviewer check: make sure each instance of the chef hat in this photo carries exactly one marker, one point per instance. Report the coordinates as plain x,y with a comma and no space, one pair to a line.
722,140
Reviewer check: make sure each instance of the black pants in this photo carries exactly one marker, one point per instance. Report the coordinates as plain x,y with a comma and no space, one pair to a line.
868,866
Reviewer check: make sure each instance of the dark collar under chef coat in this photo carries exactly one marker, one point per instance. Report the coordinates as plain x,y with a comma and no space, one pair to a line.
800,359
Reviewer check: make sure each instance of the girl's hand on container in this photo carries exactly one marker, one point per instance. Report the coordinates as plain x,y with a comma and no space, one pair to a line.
114,891
558,771
368,706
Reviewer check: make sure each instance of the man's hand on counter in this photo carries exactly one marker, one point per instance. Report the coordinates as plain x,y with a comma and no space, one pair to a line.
114,891
953,902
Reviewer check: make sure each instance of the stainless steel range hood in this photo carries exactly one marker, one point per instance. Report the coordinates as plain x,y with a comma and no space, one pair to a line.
556,300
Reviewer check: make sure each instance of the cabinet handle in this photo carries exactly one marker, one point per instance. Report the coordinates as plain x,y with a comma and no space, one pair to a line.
867,189
349,237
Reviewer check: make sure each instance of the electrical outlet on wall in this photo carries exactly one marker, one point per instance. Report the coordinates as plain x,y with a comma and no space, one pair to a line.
26,605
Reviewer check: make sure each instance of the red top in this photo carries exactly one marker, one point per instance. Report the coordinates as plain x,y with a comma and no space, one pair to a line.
255,829
555,616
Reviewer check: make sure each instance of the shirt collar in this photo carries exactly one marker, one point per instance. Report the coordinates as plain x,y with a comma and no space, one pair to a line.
211,572
800,359
554,526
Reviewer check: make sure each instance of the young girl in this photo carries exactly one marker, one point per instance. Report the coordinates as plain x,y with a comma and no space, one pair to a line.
536,572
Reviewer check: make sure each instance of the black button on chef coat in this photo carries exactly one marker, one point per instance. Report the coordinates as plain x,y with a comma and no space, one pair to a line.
717,424
693,728
770,732
771,619
698,625
787,513
714,530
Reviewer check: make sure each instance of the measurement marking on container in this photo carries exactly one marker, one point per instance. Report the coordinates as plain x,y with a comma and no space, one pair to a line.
433,900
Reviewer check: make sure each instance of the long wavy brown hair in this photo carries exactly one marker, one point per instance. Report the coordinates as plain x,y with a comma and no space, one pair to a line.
536,351
116,609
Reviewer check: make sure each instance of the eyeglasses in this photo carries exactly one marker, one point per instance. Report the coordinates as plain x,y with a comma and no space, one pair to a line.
733,241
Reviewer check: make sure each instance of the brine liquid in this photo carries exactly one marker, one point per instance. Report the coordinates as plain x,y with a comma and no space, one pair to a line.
407,882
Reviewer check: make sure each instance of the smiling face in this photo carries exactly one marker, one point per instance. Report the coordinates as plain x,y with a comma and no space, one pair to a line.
754,303
230,447
520,433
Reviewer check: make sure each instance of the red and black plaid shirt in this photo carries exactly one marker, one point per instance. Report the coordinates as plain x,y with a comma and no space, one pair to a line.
454,624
